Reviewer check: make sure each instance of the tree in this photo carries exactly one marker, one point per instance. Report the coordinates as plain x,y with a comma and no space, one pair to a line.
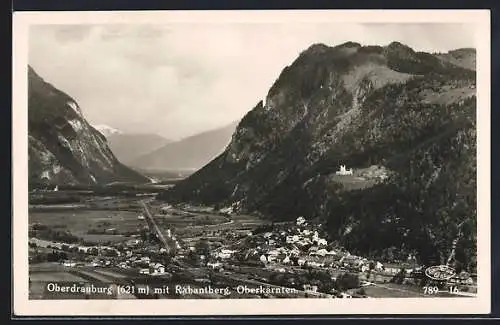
56,256
202,247
347,281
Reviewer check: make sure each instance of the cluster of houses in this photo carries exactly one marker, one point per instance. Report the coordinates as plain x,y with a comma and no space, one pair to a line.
126,255
297,245
91,250
301,245
145,265
130,260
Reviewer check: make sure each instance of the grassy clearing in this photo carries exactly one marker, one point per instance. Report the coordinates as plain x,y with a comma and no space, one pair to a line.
78,222
384,291
110,273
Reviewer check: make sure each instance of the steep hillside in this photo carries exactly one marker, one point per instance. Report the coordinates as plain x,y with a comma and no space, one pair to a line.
465,58
63,147
408,114
129,146
190,153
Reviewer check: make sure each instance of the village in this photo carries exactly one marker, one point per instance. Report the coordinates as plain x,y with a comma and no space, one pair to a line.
210,244
293,255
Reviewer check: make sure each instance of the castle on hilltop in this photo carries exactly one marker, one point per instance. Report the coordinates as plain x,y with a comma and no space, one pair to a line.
344,171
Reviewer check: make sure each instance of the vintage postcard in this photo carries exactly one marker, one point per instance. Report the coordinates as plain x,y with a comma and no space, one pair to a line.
198,162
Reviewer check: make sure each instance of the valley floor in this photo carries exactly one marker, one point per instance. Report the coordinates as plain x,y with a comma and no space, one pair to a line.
114,245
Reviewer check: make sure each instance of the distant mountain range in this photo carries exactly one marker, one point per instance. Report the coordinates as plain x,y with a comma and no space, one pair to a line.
63,148
129,146
190,153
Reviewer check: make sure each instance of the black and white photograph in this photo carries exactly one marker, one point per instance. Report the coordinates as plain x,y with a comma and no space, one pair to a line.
221,158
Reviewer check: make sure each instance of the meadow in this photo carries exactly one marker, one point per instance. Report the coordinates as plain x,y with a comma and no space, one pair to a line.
79,222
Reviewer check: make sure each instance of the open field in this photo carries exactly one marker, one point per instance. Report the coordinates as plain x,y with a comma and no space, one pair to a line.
387,290
352,182
79,222
190,219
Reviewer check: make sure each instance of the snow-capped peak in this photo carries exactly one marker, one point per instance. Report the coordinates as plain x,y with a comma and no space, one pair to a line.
106,130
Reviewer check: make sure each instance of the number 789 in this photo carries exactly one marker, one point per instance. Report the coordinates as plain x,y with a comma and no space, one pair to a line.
431,290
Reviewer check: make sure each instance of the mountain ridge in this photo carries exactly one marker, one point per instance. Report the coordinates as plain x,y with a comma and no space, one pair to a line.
63,147
386,108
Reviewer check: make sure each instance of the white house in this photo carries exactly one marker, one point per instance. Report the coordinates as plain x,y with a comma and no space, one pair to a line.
69,263
322,242
292,239
300,221
214,265
344,171
158,268
225,253
321,252
310,288
263,258
123,265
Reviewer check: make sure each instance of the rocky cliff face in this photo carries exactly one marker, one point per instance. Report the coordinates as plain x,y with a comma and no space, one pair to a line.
403,120
63,147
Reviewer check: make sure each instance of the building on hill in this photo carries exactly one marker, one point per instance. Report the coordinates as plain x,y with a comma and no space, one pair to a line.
300,221
343,171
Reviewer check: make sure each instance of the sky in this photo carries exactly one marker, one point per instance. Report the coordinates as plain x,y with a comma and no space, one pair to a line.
181,79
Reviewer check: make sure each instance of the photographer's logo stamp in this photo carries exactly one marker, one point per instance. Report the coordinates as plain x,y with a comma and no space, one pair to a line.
440,272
